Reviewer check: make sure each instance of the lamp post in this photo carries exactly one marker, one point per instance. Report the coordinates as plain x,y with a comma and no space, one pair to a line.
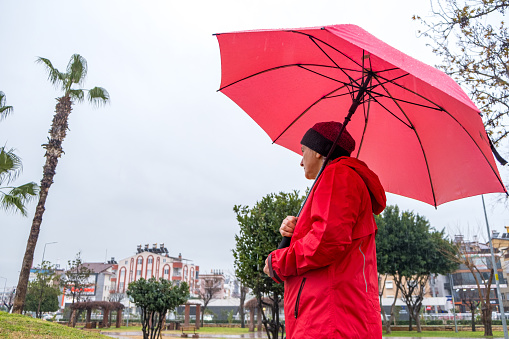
43,252
495,270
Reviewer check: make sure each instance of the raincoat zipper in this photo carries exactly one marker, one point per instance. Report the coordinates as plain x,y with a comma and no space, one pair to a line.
298,298
363,267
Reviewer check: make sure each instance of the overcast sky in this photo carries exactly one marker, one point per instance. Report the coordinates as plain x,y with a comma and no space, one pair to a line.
168,159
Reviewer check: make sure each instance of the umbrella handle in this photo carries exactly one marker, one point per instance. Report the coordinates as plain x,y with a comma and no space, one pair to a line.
356,102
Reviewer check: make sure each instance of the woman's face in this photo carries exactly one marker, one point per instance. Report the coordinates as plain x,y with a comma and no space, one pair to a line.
311,161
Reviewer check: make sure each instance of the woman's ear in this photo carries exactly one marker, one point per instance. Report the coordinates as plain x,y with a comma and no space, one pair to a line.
318,155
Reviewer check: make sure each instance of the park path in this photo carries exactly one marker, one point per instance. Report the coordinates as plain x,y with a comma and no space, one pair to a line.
138,335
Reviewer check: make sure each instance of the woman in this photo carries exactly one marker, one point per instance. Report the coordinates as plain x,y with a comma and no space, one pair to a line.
329,269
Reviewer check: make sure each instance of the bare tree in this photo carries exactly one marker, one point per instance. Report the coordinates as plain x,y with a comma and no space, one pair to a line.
243,292
471,256
382,279
76,279
117,297
210,288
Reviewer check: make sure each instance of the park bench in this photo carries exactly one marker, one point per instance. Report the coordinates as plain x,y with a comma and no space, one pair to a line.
189,330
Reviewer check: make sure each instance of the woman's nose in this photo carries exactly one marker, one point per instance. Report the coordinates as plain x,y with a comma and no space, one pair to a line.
302,162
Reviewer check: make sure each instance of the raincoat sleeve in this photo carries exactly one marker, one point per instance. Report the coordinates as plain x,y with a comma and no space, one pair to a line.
335,207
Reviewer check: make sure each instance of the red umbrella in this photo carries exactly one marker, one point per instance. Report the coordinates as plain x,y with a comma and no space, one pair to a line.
414,126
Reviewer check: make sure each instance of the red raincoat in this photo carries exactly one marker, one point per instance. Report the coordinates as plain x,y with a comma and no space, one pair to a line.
329,270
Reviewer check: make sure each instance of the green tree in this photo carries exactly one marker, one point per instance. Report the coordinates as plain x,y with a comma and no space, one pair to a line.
258,236
471,38
410,250
76,279
74,75
12,198
155,298
43,291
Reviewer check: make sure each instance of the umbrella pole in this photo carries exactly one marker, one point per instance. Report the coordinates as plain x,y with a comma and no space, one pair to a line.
494,265
356,102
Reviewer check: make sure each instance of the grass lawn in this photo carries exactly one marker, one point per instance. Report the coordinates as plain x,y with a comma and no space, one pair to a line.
211,330
236,331
21,326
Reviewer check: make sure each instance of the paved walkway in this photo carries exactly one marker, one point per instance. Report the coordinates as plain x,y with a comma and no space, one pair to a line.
138,335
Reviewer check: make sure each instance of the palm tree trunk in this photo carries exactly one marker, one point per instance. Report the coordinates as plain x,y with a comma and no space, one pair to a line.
54,150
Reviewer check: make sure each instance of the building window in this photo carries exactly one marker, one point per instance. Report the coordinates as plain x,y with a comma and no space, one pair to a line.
140,261
177,272
166,270
125,263
389,284
164,260
138,273
149,260
149,273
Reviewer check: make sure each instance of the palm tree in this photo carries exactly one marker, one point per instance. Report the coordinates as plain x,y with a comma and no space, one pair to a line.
75,74
4,110
14,198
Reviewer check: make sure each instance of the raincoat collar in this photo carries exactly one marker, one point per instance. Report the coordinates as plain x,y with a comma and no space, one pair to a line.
375,188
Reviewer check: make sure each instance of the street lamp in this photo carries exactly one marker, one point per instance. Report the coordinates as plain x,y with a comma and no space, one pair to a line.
43,252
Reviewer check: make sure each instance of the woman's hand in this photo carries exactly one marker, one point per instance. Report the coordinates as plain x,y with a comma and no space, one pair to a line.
266,268
287,226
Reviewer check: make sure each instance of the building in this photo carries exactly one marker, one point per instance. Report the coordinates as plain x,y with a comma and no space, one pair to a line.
434,299
99,286
500,242
465,284
212,285
155,262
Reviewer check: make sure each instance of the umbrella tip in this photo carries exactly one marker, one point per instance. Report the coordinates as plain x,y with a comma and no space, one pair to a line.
214,34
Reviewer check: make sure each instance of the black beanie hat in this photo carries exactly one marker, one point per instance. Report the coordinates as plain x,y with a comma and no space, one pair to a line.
321,136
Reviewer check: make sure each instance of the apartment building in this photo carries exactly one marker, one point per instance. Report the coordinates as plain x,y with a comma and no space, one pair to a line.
156,262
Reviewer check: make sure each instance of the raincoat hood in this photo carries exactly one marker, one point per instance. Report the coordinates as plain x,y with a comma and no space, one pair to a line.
376,191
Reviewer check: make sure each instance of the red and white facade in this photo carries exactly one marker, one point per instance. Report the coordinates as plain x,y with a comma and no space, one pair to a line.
147,264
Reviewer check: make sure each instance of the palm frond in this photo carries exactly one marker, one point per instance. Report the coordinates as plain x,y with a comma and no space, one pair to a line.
77,69
4,110
54,75
9,202
18,196
98,96
77,95
26,192
10,165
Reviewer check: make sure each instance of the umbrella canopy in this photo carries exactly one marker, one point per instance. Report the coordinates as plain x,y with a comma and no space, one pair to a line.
414,127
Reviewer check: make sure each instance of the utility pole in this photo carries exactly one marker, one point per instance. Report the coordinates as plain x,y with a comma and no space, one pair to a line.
493,263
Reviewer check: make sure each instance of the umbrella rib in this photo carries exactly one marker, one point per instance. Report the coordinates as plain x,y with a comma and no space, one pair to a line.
389,111
464,129
413,92
405,101
305,111
366,112
313,38
323,75
366,120
420,143
332,60
272,69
